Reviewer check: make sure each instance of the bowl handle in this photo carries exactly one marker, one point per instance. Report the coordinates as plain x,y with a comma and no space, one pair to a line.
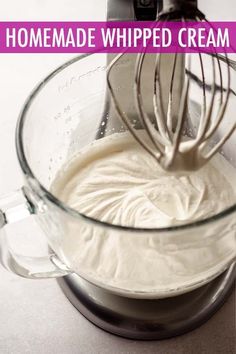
15,207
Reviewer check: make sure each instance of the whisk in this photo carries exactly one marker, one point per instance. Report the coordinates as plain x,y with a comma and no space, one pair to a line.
165,141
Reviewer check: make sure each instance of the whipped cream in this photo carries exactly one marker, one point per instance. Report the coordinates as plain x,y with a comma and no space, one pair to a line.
114,180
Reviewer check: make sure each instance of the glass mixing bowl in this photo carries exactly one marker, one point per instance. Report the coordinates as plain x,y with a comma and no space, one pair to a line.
67,111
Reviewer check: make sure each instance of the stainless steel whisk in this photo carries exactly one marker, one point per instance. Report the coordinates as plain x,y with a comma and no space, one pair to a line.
165,139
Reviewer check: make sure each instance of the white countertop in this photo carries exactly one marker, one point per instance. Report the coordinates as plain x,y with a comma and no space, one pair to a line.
35,317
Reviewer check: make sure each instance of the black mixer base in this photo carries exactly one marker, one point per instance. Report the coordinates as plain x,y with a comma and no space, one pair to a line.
148,319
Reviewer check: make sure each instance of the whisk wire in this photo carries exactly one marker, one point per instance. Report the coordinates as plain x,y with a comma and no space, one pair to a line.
181,116
170,102
156,138
123,115
214,126
205,119
219,145
158,102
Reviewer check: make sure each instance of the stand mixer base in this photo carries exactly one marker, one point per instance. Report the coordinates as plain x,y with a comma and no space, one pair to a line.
148,319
